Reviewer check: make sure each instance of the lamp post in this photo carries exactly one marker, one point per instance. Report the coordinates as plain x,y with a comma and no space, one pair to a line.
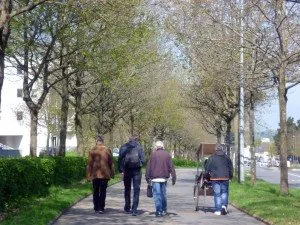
241,171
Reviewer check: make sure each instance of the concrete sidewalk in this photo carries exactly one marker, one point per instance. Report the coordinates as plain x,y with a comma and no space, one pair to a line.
181,208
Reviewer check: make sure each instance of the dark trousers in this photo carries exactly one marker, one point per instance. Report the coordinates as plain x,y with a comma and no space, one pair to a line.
134,176
99,193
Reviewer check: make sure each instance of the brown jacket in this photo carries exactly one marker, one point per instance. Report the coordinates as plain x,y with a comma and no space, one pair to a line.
160,165
100,163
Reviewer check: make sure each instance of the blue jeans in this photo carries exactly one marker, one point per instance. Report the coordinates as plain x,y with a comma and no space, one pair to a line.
220,188
133,176
160,196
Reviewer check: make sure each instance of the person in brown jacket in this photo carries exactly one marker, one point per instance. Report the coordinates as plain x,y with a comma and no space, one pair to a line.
100,170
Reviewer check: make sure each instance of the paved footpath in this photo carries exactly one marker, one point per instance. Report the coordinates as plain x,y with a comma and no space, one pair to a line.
180,208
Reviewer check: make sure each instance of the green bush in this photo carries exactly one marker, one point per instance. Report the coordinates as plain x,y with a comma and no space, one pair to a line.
184,163
24,177
69,169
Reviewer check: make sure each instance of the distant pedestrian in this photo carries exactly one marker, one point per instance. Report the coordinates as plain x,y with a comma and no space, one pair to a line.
159,168
131,160
100,170
219,166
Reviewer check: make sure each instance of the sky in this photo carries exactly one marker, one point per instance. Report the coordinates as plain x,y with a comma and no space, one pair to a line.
268,116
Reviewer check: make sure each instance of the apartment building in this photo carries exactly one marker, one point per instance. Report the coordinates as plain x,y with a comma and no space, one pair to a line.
15,119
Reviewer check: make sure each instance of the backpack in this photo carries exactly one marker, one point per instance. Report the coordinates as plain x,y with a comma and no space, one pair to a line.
132,159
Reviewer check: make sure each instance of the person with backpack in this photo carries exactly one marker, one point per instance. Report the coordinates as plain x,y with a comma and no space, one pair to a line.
158,171
131,160
100,170
219,167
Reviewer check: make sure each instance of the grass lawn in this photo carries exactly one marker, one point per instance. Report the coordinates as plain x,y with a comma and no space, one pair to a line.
263,200
41,211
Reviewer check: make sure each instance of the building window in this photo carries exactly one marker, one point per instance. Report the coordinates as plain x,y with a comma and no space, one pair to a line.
54,141
19,115
19,93
19,69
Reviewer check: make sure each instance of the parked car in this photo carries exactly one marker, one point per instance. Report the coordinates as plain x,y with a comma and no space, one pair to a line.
115,152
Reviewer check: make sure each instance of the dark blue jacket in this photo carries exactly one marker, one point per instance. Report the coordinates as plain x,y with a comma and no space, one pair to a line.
219,166
125,148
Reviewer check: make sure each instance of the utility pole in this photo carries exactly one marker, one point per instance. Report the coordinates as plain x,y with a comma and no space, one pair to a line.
241,132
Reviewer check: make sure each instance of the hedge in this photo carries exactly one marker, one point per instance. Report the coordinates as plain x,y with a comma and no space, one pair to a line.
25,177
184,163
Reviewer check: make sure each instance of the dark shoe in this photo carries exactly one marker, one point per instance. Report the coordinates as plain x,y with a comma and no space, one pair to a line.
134,213
127,211
101,211
224,210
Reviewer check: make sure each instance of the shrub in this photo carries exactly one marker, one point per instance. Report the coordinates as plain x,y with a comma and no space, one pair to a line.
184,163
24,177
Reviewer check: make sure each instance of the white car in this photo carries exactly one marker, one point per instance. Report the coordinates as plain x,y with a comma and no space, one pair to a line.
115,152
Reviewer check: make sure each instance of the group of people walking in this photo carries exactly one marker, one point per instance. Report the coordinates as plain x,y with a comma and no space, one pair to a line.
159,169
131,159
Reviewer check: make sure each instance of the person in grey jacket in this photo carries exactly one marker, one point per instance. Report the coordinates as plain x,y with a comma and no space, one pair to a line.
159,168
219,166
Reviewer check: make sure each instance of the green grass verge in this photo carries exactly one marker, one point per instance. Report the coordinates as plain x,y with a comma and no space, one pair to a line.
264,200
41,211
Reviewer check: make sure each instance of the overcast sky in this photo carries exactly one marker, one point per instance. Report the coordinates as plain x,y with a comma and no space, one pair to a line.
269,115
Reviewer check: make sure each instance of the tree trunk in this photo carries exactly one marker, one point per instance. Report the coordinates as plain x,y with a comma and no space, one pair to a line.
228,130
219,137
284,188
64,117
1,73
33,131
131,123
252,139
111,138
47,142
6,8
282,91
79,133
78,123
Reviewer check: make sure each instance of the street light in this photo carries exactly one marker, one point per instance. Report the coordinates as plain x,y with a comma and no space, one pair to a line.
241,101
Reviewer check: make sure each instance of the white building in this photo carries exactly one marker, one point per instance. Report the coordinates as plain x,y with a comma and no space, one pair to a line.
15,119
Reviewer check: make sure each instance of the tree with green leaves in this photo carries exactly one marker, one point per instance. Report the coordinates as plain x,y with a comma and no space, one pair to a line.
34,51
10,9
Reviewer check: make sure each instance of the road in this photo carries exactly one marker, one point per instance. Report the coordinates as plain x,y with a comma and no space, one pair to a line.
272,175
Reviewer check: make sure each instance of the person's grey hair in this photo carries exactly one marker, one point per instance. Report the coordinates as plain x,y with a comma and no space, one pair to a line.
220,147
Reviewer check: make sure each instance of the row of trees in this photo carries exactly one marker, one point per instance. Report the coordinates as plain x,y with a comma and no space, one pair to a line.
153,68
99,67
214,35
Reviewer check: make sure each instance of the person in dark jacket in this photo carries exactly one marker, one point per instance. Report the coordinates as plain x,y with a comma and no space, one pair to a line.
219,166
131,174
100,170
159,168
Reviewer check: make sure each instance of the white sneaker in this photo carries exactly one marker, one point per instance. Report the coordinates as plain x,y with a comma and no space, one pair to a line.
224,210
218,213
